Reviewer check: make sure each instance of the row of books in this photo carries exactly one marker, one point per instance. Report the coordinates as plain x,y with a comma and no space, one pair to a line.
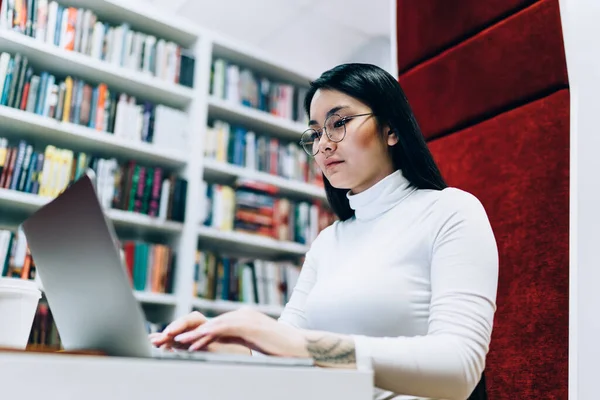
127,186
17,262
150,266
218,277
80,30
240,85
44,333
97,107
246,208
146,190
240,146
15,258
43,329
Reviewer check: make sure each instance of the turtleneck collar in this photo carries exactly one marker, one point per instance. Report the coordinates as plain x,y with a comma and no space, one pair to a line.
381,197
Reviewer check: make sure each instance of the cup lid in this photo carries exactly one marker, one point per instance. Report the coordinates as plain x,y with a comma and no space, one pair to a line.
18,283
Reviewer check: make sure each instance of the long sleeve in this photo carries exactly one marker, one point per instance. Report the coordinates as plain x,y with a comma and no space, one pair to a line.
448,361
294,312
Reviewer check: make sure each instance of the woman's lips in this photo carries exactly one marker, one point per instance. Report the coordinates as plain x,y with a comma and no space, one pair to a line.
332,164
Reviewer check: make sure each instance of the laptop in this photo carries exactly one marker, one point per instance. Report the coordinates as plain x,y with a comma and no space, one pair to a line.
79,263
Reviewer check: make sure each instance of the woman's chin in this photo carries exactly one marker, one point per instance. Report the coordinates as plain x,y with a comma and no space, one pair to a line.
338,181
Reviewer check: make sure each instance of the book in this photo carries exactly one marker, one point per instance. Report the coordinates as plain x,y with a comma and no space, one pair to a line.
48,171
250,207
219,276
242,85
96,106
81,30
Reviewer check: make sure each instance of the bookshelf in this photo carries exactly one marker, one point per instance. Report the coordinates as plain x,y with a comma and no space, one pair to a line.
196,102
15,201
246,244
221,171
245,115
22,124
220,306
143,17
58,60
156,298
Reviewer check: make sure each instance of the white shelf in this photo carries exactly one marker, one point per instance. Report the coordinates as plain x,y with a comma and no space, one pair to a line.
255,59
142,297
155,298
140,16
44,56
12,201
36,128
260,121
220,171
204,45
222,306
237,243
142,221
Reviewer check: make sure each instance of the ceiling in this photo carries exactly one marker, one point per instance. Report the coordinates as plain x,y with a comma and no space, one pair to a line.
312,35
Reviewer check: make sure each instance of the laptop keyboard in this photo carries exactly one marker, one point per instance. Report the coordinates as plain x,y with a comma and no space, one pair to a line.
230,358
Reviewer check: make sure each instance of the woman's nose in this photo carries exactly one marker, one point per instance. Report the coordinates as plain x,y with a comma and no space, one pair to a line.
326,144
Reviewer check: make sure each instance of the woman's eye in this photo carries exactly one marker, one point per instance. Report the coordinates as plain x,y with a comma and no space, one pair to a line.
341,122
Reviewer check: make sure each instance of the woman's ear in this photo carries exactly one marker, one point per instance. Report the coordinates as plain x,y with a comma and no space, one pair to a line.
392,137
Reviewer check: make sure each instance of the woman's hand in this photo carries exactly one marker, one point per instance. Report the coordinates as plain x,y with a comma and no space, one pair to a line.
187,323
253,330
245,327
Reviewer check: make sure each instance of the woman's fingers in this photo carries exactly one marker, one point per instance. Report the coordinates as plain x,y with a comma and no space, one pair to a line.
202,342
166,342
196,332
215,327
209,341
184,324
222,330
180,325
191,336
158,339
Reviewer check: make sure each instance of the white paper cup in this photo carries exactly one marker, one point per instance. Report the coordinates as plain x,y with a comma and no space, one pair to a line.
18,304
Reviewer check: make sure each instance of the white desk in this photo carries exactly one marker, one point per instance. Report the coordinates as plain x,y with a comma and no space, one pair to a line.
34,376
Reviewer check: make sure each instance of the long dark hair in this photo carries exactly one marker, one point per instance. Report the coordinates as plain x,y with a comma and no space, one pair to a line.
382,93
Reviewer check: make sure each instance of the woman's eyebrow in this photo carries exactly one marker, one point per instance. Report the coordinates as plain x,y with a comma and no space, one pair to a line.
332,111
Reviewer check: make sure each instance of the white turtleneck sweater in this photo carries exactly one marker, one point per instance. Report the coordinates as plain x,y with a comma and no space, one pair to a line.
412,278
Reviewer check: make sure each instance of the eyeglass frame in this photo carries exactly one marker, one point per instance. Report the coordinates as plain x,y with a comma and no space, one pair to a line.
344,118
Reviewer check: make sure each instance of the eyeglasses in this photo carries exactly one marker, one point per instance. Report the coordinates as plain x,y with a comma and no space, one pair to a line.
335,129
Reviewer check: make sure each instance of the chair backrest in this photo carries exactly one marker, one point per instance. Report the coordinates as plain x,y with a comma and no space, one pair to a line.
488,84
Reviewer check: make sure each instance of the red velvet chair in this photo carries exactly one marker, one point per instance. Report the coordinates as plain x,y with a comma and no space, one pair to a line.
488,84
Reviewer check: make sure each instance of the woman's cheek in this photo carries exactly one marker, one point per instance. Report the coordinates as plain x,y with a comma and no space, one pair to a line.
363,139
318,161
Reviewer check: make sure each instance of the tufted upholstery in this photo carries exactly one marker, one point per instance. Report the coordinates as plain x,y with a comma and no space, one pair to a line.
488,84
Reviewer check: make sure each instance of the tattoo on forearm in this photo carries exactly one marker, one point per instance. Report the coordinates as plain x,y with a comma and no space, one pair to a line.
331,350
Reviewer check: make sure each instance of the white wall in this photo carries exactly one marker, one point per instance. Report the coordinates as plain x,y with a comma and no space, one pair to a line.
394,38
581,27
376,51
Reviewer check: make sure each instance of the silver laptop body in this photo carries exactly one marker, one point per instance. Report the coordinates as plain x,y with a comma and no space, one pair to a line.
78,262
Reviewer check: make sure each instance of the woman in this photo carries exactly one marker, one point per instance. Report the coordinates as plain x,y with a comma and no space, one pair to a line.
404,282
